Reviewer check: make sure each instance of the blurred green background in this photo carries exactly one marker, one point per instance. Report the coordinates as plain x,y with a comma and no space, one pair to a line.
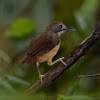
21,21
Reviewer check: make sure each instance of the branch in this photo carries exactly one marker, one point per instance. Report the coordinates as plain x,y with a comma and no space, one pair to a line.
85,76
72,58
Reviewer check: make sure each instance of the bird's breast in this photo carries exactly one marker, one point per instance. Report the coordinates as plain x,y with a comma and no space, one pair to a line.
48,55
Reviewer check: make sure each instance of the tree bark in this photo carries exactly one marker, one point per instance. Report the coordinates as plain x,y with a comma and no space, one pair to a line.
72,58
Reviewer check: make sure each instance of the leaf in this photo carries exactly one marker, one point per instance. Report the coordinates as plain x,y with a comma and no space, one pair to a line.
17,80
5,84
74,97
21,28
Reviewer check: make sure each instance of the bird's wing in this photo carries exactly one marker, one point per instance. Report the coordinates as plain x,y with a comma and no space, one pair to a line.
42,44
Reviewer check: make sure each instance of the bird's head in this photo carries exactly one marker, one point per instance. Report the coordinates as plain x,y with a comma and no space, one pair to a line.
58,28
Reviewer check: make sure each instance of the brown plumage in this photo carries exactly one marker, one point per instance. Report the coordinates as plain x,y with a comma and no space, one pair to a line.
42,44
45,46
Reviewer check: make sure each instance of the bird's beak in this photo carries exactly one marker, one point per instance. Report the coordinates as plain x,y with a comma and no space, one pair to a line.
70,29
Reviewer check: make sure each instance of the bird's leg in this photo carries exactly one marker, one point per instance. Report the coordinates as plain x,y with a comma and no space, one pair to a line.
40,76
60,59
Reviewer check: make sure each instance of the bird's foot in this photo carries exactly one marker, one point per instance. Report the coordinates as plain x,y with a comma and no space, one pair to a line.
61,60
41,77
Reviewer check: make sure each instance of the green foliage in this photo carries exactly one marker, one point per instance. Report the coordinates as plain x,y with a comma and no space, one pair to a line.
17,80
8,82
6,85
21,28
74,97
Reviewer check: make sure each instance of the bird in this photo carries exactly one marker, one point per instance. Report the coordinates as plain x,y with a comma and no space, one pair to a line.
46,45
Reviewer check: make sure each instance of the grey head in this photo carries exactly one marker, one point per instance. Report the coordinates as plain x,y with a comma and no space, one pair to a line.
58,28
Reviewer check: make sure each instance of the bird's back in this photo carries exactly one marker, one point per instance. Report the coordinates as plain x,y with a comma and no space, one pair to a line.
41,45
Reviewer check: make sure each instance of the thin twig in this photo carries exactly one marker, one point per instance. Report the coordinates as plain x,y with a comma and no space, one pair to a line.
85,76
72,58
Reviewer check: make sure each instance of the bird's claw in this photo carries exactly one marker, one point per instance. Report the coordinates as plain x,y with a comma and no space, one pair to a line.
61,60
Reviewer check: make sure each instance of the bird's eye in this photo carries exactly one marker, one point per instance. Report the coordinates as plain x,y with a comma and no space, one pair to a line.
60,26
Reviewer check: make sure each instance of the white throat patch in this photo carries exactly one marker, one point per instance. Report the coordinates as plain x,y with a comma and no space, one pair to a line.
59,33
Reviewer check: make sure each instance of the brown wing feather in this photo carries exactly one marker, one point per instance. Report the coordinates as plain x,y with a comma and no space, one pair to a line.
42,44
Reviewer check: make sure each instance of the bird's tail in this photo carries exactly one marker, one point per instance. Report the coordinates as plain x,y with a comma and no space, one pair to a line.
27,59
